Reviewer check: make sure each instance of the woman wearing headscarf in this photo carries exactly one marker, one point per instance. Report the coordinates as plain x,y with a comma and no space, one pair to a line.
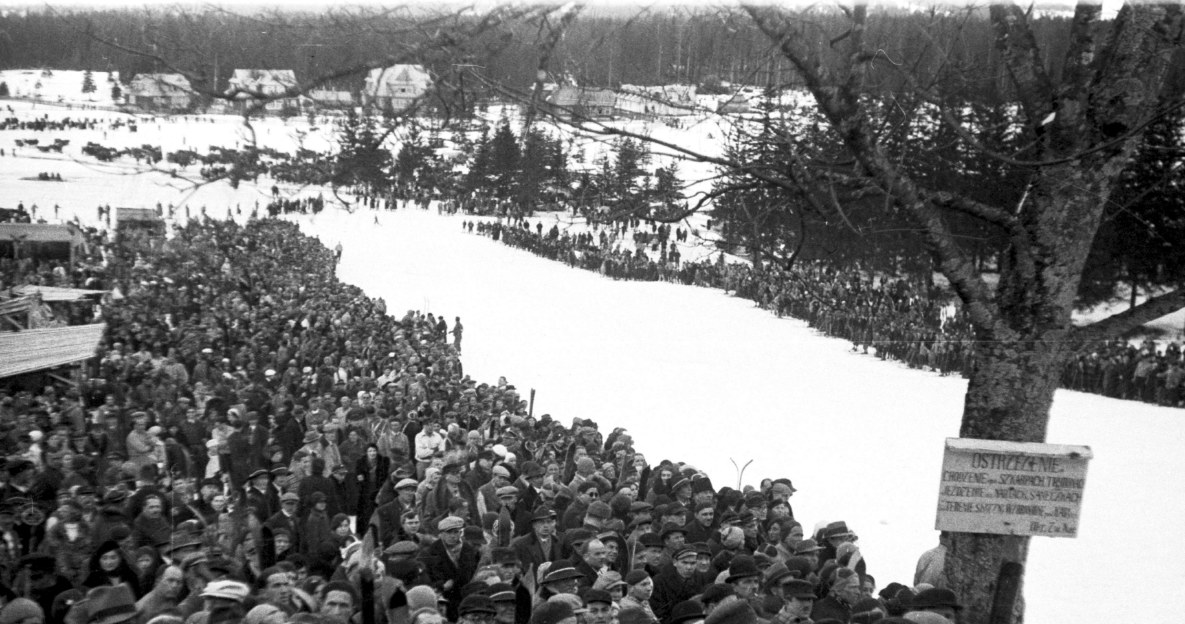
108,566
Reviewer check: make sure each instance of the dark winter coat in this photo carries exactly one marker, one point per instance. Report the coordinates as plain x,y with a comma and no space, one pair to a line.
670,589
441,568
531,553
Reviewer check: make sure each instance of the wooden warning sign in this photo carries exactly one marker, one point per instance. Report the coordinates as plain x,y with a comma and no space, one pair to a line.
1011,488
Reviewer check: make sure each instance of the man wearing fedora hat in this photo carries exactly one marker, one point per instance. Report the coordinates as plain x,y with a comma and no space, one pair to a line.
540,545
562,578
529,481
686,612
110,604
505,598
744,577
316,445
838,537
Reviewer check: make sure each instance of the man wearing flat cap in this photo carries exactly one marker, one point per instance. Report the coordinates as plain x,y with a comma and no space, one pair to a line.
386,516
451,562
487,495
675,583
287,519
798,600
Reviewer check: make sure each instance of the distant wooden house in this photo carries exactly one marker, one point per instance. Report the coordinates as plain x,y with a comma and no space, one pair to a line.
330,99
248,86
160,92
738,103
395,88
581,102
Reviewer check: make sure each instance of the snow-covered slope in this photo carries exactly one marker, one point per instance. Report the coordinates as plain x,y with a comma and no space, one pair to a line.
60,85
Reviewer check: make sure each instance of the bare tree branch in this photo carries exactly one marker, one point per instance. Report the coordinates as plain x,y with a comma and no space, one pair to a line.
1123,322
1022,56
841,107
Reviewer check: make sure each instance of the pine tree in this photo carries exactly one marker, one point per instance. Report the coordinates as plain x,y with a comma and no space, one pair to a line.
632,157
88,82
3,89
544,167
505,162
413,164
476,179
363,160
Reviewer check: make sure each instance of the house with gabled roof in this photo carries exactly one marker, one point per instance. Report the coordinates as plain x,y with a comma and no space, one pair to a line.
247,86
395,88
582,102
160,92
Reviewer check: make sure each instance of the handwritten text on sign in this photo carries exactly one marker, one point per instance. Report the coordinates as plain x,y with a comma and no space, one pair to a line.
1011,488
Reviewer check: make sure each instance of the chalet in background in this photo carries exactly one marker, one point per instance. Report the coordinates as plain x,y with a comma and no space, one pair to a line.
395,88
247,85
160,92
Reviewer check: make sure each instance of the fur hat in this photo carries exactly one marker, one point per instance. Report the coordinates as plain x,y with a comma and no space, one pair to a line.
599,509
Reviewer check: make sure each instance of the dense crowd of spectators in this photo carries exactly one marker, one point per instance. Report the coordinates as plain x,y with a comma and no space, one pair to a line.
899,318
46,124
259,442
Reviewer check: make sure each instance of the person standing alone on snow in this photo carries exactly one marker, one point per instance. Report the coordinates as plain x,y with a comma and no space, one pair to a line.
457,329
337,253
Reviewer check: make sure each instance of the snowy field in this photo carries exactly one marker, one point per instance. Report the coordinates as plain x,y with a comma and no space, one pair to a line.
698,376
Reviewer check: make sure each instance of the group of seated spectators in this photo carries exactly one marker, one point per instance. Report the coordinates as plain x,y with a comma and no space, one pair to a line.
259,442
902,318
